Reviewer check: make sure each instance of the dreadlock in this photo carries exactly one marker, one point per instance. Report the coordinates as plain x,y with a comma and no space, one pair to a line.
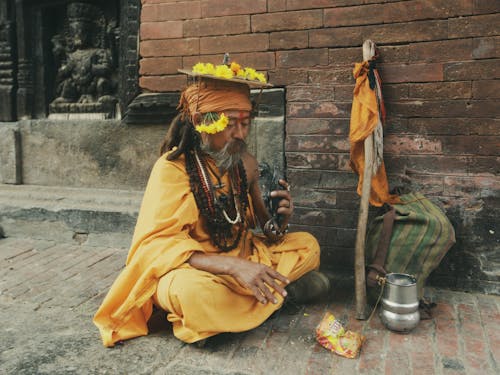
181,134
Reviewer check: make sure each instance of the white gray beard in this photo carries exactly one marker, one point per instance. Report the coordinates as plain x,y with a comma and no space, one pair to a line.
228,156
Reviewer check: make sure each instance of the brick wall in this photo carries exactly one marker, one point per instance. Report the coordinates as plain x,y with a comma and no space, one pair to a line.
439,64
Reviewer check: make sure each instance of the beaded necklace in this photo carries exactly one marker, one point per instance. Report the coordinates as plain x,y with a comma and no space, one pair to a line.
214,208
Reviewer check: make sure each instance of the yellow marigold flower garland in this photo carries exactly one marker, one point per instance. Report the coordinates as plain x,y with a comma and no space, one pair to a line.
228,72
213,123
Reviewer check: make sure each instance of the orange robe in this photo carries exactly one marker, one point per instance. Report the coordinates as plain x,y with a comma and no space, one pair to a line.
199,304
364,119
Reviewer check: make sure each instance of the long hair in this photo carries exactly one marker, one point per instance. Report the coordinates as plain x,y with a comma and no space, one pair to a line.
182,135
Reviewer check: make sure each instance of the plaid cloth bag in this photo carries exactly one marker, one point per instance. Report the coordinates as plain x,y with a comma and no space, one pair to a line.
411,238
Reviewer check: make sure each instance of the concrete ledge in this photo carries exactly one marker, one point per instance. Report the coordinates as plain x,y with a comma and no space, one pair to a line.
95,217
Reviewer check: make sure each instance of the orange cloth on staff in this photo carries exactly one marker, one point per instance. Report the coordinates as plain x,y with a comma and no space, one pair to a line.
364,119
200,304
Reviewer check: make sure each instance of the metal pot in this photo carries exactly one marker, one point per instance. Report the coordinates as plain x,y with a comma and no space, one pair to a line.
399,309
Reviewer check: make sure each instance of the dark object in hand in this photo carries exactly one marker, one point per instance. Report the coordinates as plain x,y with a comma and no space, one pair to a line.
269,181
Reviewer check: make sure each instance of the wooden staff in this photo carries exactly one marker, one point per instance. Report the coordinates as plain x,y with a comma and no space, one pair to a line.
359,253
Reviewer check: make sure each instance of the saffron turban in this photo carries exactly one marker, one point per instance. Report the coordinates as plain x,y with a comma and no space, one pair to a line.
212,95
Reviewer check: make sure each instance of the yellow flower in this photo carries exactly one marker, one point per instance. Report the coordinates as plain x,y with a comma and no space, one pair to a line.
223,71
235,67
201,68
216,123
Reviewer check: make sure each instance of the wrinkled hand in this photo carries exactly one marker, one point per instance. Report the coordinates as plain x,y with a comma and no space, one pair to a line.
285,205
260,279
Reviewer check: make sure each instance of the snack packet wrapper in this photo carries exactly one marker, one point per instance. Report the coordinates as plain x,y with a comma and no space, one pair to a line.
331,334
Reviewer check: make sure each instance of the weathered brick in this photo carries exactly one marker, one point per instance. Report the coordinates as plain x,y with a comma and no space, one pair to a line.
311,160
485,48
163,83
480,26
216,8
484,165
343,92
169,47
257,60
314,199
317,126
161,30
299,20
393,33
234,43
310,93
476,356
411,32
317,143
471,145
285,77
310,4
171,11
398,352
449,126
443,108
432,184
473,70
160,65
425,164
371,361
395,73
480,186
441,90
158,1
321,109
323,179
348,200
394,54
394,144
344,56
486,89
217,26
315,216
336,37
490,316
331,76
302,58
447,50
391,92
396,12
288,40
276,5
486,6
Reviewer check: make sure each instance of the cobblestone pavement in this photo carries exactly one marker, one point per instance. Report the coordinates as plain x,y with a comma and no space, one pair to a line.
49,292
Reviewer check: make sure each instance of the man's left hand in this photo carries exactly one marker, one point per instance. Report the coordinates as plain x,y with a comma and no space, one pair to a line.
285,205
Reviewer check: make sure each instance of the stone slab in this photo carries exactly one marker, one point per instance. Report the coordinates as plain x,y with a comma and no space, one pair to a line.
10,155
71,215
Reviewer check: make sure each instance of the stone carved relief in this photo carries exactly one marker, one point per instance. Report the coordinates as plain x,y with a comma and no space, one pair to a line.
7,73
84,54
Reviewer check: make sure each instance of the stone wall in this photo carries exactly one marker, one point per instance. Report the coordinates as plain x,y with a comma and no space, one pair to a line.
439,64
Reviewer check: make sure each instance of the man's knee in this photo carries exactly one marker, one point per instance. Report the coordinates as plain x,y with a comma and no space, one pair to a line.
187,284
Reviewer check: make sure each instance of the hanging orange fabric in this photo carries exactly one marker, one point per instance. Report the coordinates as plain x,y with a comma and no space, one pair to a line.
367,111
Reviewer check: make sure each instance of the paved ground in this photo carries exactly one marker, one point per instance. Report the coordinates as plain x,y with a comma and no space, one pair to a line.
49,292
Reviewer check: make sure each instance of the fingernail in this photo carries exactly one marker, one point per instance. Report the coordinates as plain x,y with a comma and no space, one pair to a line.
275,301
284,294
